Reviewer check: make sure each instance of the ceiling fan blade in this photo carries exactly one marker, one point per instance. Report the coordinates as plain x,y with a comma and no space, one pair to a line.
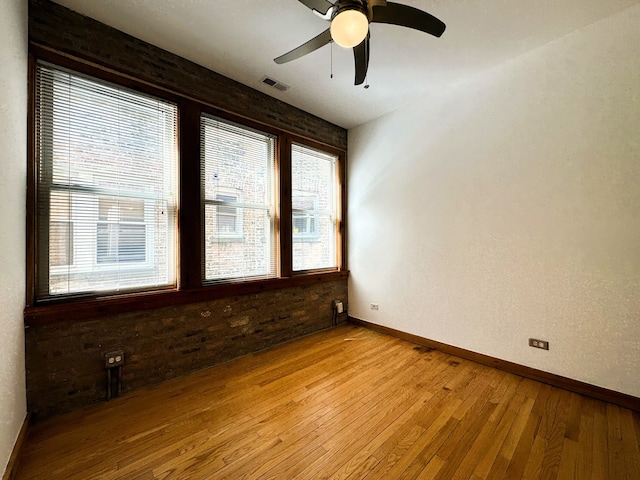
361,57
318,5
308,47
407,16
375,3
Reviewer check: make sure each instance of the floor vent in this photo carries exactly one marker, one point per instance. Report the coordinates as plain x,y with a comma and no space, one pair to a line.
275,84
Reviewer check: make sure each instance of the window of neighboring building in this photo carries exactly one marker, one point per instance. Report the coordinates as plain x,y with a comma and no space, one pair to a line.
228,219
61,231
106,175
314,208
239,201
305,216
121,235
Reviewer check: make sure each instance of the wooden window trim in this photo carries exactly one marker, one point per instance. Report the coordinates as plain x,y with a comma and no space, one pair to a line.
88,308
190,276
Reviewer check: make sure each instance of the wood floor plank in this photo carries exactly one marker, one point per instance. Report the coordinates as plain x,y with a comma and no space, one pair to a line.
584,462
556,435
346,403
515,433
574,419
568,468
533,466
456,447
433,439
522,452
614,443
636,424
499,468
629,443
432,469
600,444
487,442
393,464
484,464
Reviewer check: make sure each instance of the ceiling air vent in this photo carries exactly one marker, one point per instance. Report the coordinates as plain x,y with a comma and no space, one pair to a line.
275,84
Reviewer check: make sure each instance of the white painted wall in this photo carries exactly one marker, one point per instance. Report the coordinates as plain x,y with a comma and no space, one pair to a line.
13,164
511,209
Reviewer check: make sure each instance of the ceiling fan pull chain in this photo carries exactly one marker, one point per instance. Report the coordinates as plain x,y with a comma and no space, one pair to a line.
366,76
331,59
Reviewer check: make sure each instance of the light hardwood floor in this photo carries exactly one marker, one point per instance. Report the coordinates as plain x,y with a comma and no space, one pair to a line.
346,403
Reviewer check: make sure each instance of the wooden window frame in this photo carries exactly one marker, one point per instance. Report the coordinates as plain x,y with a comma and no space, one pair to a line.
191,287
272,135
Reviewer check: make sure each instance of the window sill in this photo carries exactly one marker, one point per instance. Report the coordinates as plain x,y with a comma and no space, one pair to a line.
89,308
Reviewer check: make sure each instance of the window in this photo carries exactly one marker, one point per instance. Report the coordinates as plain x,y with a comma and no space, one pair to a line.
106,171
257,210
238,175
313,208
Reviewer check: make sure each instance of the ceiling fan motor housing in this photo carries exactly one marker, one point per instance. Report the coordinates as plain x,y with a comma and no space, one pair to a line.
344,5
349,23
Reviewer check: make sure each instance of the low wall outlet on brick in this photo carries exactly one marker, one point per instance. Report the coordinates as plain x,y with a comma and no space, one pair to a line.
114,359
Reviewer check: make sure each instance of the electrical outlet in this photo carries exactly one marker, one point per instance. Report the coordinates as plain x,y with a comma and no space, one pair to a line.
375,306
535,343
114,359
339,306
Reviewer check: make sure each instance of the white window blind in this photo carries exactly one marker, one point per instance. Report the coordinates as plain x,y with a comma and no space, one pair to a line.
106,193
238,178
314,208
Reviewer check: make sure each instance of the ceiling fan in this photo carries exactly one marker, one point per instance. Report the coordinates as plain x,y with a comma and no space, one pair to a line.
349,28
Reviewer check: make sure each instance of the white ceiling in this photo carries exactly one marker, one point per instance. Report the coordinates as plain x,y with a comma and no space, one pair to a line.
240,39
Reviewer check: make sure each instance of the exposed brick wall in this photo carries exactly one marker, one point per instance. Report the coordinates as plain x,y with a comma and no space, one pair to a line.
66,31
65,363
65,366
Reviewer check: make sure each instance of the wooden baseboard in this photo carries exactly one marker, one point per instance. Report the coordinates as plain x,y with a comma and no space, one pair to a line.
576,386
14,460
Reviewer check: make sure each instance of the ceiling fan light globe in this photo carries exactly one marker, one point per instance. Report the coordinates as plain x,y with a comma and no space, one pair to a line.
349,28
